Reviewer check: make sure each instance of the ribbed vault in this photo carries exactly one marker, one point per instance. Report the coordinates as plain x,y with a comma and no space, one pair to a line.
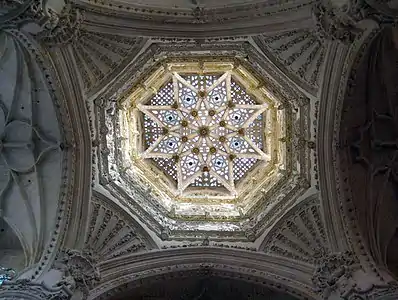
368,153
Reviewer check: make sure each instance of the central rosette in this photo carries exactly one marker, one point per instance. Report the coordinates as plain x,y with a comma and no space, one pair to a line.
203,131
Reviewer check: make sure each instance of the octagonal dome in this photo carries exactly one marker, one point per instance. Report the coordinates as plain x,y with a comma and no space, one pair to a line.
200,145
204,134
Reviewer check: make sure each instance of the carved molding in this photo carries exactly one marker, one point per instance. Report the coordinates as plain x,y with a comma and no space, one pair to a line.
131,271
196,22
76,204
339,61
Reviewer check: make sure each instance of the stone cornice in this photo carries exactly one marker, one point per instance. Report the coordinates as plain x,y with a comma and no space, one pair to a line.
246,19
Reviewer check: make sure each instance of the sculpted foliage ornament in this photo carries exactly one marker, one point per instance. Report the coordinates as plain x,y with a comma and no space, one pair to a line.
33,16
42,21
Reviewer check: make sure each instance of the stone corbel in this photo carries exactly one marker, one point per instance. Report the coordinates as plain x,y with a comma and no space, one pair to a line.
27,290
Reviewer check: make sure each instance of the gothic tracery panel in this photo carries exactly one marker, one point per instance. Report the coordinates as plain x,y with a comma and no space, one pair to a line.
200,122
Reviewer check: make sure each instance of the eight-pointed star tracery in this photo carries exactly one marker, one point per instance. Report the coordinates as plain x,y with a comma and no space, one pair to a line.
204,131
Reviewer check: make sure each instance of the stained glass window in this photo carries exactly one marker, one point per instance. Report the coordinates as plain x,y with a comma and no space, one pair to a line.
6,274
203,131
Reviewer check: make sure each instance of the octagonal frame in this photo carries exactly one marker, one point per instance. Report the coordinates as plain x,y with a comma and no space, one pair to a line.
266,207
150,86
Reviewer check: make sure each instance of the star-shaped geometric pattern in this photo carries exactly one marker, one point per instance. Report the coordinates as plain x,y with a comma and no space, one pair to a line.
205,130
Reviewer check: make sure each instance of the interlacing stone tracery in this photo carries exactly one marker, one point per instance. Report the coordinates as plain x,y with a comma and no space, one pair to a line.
205,130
